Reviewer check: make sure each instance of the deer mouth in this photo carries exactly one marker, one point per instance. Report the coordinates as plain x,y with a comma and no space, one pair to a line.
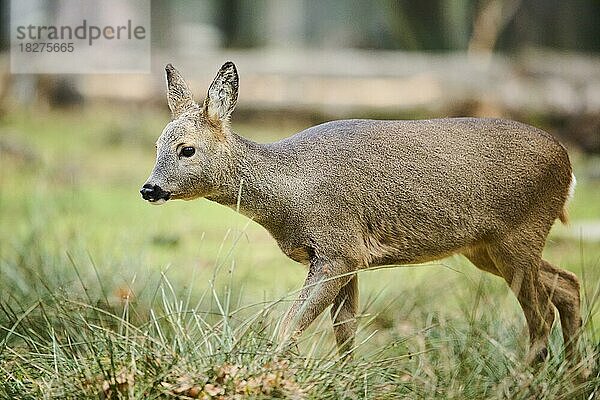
157,202
186,196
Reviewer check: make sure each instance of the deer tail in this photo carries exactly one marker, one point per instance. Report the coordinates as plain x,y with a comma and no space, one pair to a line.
564,216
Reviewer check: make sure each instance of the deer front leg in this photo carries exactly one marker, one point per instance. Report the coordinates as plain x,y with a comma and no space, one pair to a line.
322,285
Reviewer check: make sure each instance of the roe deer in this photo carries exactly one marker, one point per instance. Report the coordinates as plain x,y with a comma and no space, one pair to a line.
351,194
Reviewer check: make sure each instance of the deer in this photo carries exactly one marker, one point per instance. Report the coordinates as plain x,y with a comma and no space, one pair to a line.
349,195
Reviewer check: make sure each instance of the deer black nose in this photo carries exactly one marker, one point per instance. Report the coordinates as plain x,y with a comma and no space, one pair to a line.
147,191
154,193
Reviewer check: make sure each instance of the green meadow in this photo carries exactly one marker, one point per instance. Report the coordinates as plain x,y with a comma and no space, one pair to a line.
103,295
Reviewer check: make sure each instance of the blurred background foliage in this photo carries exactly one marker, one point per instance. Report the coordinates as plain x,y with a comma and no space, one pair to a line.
429,25
536,61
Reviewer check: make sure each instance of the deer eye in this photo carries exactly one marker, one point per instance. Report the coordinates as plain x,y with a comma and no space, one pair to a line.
187,152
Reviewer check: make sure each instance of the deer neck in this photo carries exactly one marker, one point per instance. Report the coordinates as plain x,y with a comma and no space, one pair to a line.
252,181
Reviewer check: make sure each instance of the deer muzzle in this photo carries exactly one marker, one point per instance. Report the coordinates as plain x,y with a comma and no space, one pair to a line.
154,194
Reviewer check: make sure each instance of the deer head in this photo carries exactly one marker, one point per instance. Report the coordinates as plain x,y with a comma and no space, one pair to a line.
193,150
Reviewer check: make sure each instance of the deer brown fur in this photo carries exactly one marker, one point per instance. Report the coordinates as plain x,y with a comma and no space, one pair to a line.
352,194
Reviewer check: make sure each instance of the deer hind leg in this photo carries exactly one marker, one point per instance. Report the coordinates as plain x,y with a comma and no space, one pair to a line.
322,286
343,315
520,268
563,287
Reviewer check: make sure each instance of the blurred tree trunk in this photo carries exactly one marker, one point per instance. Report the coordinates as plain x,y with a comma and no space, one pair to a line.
488,24
457,22
162,28
228,21
4,25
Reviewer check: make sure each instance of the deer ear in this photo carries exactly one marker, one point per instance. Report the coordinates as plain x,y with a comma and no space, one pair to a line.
222,94
179,95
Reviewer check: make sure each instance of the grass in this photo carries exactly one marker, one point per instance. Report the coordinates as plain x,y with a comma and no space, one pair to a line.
103,296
